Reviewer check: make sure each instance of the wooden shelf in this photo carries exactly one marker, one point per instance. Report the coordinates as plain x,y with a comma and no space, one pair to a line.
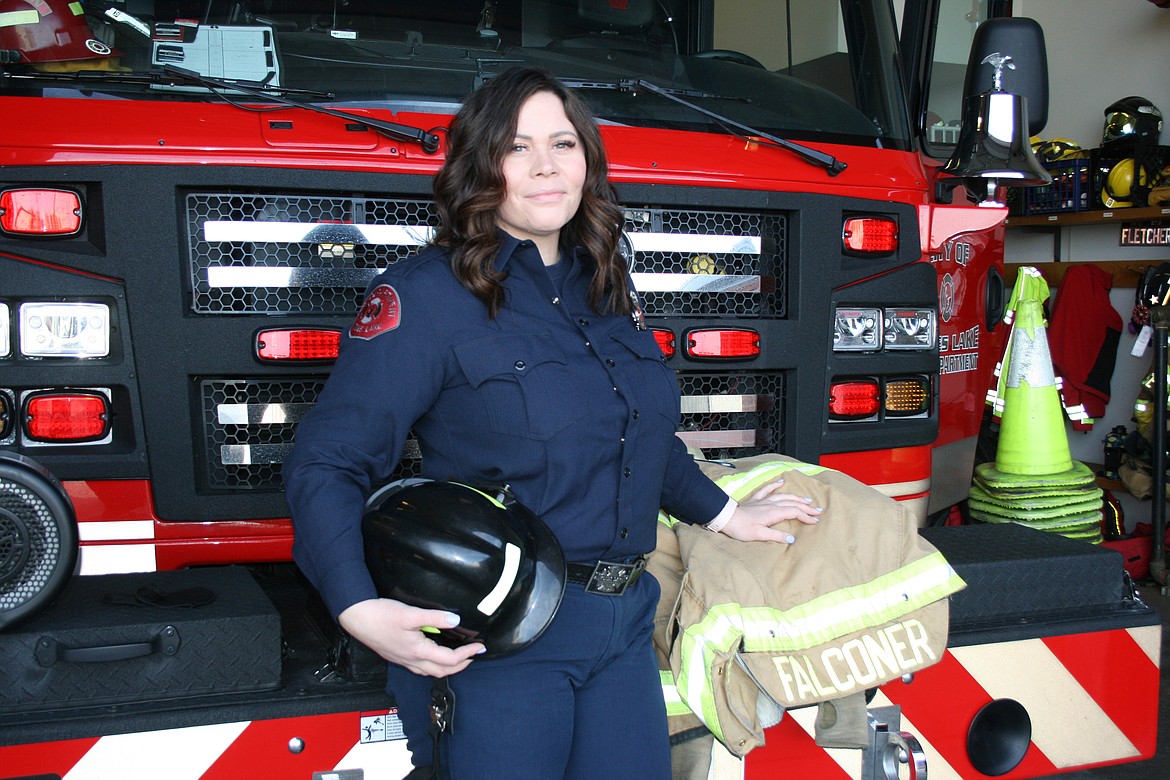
1061,218
1125,273
1112,485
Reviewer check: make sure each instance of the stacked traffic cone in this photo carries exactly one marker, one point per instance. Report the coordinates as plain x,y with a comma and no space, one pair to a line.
1034,481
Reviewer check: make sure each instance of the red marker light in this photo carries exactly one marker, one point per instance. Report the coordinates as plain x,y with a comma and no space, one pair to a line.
870,235
725,343
61,417
40,212
854,400
298,344
665,339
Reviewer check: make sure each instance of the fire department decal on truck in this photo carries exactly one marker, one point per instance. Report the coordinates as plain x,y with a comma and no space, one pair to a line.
194,198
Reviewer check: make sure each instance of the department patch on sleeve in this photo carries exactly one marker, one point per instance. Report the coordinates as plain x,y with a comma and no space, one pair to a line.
380,313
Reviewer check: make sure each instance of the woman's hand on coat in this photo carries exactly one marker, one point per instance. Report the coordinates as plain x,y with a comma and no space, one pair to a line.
754,520
394,631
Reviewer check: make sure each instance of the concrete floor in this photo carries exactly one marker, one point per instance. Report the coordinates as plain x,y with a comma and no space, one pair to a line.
1157,768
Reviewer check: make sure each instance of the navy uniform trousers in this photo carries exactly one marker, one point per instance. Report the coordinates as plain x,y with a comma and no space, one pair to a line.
583,702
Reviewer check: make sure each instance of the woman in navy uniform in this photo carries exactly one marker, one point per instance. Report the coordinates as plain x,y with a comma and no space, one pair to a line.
514,348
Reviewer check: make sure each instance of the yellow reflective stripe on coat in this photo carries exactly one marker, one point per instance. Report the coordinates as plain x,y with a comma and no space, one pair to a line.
674,703
731,627
741,486
831,615
694,686
667,520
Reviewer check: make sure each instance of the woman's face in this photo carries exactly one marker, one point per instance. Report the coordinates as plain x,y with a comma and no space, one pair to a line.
544,174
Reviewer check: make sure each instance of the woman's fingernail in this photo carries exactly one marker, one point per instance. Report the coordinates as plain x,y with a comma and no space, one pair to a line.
790,539
452,619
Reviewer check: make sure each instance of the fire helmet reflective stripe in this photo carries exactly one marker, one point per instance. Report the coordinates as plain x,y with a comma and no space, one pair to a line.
1132,119
49,31
471,550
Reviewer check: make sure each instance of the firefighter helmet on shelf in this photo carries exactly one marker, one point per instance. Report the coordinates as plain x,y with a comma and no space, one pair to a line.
49,31
1056,149
1118,192
1132,120
474,551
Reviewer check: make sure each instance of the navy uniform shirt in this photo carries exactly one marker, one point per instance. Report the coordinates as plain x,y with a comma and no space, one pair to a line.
575,411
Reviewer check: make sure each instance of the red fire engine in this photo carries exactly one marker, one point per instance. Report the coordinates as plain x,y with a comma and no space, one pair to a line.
193,197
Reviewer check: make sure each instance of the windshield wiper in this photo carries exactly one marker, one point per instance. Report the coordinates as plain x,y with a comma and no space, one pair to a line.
827,161
151,78
257,89
399,132
630,85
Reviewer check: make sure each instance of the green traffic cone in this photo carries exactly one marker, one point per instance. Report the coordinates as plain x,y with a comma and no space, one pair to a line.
1033,446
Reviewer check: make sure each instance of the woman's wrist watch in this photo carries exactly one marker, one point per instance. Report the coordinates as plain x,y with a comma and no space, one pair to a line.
723,518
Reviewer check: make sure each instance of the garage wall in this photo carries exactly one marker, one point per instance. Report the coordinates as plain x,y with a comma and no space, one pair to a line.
1099,51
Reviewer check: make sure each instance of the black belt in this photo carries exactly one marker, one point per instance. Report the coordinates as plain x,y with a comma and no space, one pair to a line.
606,578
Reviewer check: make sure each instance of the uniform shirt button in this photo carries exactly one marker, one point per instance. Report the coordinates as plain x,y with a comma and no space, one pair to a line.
626,471
520,365
625,533
556,300
636,415
609,362
588,344
582,322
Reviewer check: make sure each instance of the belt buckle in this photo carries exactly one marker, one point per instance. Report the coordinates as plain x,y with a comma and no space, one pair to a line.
611,578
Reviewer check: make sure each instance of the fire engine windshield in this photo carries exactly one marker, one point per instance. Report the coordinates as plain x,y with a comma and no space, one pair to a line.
800,69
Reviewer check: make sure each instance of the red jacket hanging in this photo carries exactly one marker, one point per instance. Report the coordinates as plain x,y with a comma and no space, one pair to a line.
1083,335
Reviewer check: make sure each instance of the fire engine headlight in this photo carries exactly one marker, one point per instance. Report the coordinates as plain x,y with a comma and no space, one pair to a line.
909,328
857,330
5,337
71,330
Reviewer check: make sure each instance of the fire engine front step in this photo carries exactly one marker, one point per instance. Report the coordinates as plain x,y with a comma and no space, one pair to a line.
1025,583
124,638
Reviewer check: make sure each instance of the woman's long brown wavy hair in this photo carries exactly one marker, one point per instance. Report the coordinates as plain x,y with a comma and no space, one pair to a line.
470,188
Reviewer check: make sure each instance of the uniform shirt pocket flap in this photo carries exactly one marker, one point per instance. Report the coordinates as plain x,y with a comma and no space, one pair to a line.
639,342
495,357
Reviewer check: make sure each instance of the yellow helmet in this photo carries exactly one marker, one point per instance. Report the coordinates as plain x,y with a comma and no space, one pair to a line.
1118,190
1056,149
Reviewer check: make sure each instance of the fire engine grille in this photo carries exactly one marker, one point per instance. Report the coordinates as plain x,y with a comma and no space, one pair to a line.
248,427
302,254
733,415
692,263
307,254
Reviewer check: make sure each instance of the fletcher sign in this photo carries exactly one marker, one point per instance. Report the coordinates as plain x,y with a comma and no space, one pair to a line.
1145,235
